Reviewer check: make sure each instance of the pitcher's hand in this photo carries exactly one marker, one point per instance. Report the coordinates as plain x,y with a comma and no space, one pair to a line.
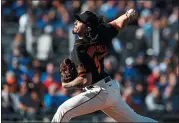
131,14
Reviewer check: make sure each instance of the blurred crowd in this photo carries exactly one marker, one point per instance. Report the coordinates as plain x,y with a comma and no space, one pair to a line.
148,81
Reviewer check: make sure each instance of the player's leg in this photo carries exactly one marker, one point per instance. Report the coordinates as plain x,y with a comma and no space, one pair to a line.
126,115
84,103
121,112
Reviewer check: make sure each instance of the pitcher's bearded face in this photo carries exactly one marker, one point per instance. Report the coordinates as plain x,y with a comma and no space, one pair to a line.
79,28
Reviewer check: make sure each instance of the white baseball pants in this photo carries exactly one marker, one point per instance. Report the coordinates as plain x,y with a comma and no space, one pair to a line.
105,97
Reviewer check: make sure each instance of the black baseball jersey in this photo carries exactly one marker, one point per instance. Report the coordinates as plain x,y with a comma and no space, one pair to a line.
89,57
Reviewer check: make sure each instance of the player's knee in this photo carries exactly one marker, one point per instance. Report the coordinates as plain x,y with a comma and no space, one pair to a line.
64,113
61,110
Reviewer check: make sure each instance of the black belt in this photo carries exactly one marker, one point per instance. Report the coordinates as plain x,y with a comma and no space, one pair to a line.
107,79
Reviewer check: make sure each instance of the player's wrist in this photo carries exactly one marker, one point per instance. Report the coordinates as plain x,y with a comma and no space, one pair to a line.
130,14
127,15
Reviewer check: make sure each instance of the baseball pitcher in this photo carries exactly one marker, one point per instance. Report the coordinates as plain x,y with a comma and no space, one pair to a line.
85,70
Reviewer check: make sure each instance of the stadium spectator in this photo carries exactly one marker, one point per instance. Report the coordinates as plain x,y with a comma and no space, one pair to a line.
153,78
109,10
110,64
162,83
15,54
138,94
28,103
36,66
153,63
89,5
172,79
7,100
27,69
50,70
25,78
164,64
76,7
129,71
141,68
128,97
52,100
19,43
11,80
119,77
19,8
44,50
37,86
170,100
15,68
153,100
50,81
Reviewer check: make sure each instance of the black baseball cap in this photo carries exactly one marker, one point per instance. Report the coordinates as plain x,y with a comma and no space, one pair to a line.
89,18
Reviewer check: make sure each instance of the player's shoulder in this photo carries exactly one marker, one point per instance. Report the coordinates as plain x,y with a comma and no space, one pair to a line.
103,26
106,29
107,32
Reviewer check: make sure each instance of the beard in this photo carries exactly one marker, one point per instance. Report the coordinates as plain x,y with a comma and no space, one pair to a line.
78,31
73,32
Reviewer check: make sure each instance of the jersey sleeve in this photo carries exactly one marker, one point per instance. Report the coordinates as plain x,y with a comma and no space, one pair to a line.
78,59
107,32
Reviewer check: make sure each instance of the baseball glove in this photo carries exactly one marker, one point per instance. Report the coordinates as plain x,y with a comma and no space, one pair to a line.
68,70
